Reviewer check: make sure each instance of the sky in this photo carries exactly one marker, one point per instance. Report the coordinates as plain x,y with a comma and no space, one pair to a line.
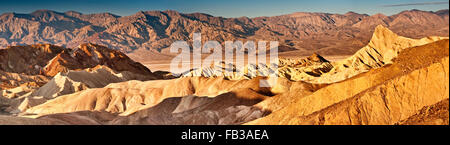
224,8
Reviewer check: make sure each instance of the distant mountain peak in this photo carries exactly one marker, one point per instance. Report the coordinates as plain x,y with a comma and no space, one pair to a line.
350,13
156,30
73,13
379,15
43,11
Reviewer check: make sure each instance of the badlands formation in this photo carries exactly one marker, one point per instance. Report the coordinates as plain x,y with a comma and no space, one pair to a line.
391,80
152,32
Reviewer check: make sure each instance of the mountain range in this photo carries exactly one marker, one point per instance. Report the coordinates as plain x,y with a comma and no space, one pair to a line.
391,80
323,33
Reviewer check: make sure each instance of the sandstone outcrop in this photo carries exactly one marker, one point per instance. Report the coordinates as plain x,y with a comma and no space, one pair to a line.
392,80
381,50
48,60
418,77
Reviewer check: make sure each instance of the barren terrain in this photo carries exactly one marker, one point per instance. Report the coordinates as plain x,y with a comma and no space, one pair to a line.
391,80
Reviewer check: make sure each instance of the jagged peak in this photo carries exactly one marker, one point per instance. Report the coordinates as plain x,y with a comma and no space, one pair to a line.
381,28
317,58
381,32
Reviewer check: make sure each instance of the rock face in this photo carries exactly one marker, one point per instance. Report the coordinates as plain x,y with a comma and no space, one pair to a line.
325,33
392,94
33,74
48,60
11,80
435,114
418,77
392,80
228,108
91,55
73,81
381,50
192,101
70,82
131,96
390,102
27,59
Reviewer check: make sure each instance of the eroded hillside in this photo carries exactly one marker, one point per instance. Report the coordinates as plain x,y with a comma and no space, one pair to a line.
392,80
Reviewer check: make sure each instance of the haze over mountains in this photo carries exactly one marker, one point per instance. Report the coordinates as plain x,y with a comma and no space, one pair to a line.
324,33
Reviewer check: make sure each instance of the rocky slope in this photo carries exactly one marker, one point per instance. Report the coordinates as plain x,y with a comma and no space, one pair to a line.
11,80
131,96
33,74
383,47
417,78
98,77
436,114
29,59
328,34
392,80
194,100
392,94
70,82
48,60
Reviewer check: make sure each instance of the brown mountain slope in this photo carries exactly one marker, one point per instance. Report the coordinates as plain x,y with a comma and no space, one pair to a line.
11,80
48,60
91,55
26,72
155,30
27,59
417,78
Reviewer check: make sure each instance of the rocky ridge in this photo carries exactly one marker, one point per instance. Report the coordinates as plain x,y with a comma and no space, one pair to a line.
156,30
384,46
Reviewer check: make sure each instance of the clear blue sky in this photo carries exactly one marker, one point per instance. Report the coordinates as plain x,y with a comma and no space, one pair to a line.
225,8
